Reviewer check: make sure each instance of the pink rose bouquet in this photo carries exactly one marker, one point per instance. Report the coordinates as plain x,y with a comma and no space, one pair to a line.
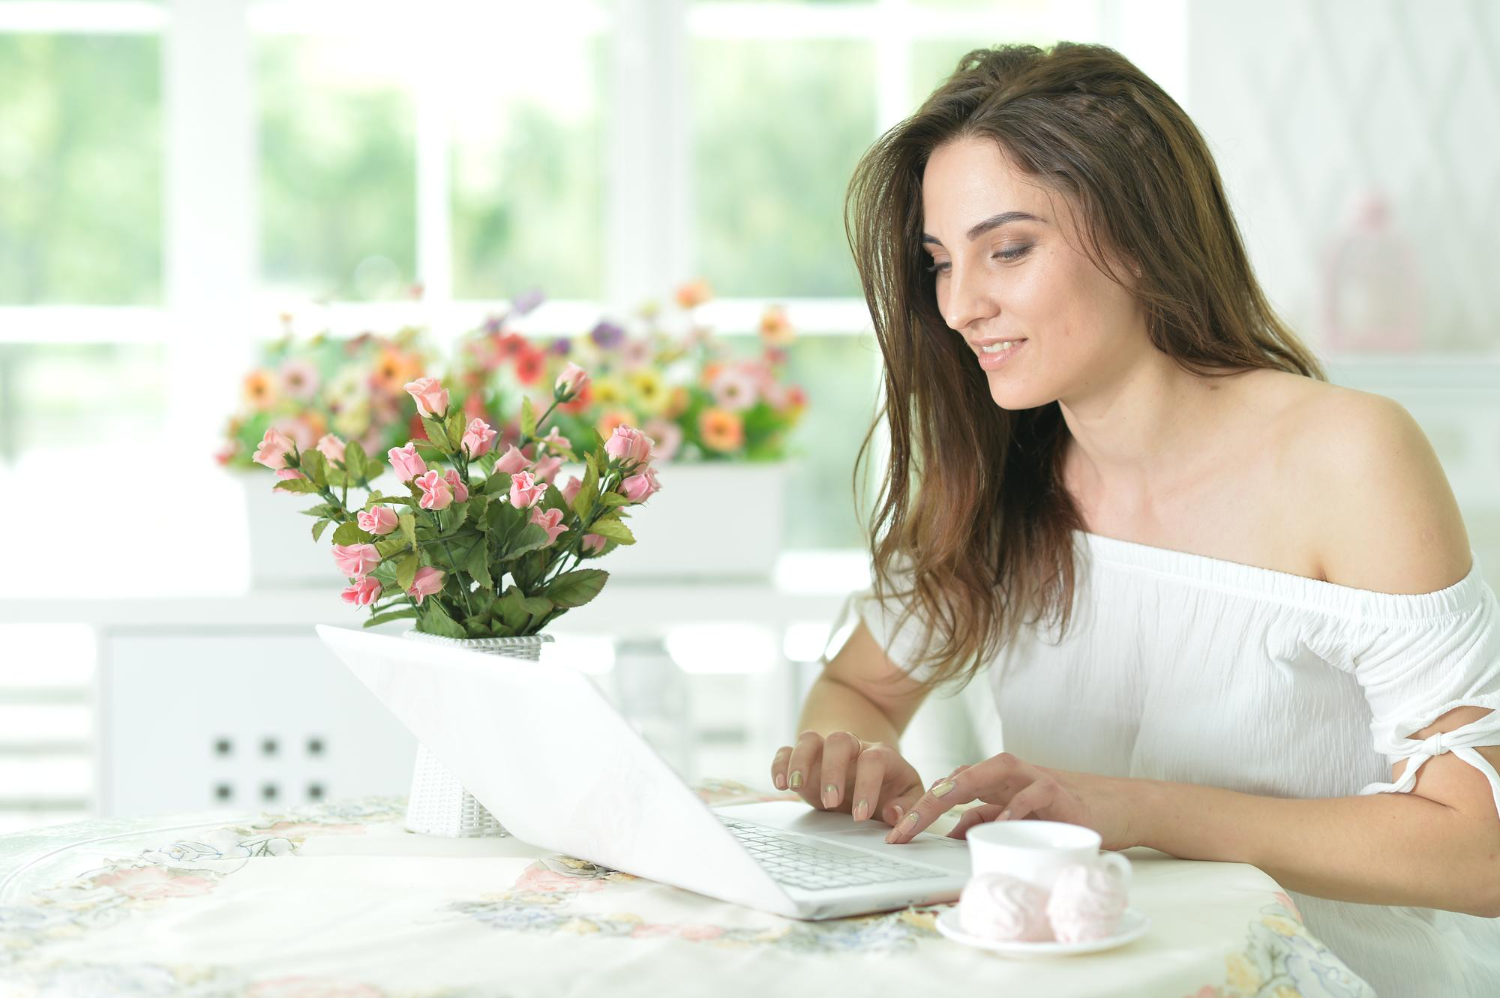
488,546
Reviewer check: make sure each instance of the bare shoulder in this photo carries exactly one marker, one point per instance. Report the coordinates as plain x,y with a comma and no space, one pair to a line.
1372,496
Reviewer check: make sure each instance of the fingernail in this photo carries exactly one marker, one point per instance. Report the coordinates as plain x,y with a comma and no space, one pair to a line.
796,778
1004,815
830,795
913,817
942,788
861,809
780,782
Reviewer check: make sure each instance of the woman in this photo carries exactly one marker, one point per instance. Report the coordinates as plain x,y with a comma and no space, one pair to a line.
1197,576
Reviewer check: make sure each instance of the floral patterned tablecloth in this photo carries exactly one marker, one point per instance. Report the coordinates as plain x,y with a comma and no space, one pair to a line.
337,900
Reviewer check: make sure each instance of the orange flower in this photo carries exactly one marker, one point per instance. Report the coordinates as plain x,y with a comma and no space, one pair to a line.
529,365
721,430
711,371
678,401
694,293
394,369
260,389
774,327
615,418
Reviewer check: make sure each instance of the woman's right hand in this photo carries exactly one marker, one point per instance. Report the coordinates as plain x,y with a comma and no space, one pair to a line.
840,772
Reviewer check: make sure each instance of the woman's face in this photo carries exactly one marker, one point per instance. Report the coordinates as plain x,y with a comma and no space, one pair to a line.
1007,272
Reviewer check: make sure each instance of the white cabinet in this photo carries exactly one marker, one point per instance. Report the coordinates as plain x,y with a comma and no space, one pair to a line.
237,718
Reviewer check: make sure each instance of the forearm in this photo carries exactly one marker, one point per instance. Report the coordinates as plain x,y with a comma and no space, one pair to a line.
1388,848
832,706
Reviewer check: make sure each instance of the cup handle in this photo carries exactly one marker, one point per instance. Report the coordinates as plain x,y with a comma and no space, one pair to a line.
1120,863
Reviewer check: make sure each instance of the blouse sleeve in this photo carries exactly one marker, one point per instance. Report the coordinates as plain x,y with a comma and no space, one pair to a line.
902,644
1424,656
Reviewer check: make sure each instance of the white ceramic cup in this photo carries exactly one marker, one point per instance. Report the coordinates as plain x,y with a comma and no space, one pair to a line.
1036,851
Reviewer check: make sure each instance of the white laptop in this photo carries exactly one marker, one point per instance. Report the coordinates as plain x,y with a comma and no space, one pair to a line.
541,746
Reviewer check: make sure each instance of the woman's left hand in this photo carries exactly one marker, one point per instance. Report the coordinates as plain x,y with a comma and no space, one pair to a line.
1013,789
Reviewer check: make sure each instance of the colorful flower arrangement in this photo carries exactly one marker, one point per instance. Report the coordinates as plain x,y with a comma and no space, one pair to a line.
692,393
489,546
349,387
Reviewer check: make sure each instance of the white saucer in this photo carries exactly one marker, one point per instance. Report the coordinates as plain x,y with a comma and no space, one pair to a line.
1133,925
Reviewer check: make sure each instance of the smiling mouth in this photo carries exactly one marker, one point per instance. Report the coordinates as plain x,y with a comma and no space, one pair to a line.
994,348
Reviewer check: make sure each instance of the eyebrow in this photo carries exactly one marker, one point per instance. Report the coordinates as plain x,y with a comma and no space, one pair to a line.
993,222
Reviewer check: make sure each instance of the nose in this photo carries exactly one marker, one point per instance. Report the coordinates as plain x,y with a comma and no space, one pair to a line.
966,299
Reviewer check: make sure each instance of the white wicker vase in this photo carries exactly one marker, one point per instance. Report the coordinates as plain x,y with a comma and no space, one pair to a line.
439,804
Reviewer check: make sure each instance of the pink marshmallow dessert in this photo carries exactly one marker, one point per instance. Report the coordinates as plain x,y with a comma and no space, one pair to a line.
997,906
1087,902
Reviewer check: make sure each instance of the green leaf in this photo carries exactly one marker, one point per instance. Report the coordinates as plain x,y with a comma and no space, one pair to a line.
613,499
296,485
374,468
354,461
537,606
315,466
528,418
436,433
612,530
408,524
318,528
349,533
497,483
455,427
478,567
583,502
388,546
386,618
529,538
433,619
575,588
322,509
510,609
457,514
406,570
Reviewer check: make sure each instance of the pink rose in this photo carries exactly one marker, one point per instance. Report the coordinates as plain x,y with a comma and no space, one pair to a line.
331,447
378,520
630,445
525,491
572,381
548,521
548,467
362,593
512,461
436,492
639,488
571,489
286,474
556,440
594,543
430,395
427,582
667,436
478,438
406,462
460,490
273,449
355,560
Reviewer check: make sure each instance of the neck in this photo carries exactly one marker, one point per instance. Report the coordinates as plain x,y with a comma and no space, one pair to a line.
1138,435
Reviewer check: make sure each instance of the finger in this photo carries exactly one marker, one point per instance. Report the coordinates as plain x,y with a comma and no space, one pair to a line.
803,769
944,794
869,777
779,766
992,781
1030,801
840,749
974,816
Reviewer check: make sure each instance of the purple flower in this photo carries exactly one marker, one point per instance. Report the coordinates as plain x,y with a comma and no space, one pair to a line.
561,346
492,324
607,334
524,303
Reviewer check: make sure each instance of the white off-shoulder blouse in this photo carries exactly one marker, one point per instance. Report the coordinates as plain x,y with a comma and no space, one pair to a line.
1192,669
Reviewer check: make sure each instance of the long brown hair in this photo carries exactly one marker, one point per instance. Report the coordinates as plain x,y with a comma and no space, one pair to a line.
987,543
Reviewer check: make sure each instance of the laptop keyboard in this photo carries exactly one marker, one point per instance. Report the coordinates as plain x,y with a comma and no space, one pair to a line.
805,863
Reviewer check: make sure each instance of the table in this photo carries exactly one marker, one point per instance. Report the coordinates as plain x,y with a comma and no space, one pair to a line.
337,900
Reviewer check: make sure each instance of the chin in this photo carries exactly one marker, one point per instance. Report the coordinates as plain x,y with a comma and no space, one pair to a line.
1017,397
